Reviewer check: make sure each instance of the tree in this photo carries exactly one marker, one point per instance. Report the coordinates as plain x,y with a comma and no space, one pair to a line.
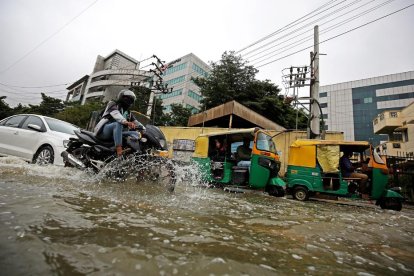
142,102
5,109
78,114
179,115
232,79
141,105
48,107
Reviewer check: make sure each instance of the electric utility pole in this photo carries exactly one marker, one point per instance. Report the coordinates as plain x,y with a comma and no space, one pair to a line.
315,131
157,85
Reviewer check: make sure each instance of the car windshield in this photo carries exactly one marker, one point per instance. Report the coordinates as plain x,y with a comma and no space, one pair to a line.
265,142
61,126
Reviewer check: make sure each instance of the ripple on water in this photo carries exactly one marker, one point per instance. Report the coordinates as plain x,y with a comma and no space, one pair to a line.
78,223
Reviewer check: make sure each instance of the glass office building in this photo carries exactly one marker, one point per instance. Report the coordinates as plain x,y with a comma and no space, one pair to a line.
351,106
178,75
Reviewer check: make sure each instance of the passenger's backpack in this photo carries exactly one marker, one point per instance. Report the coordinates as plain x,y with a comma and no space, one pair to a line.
94,118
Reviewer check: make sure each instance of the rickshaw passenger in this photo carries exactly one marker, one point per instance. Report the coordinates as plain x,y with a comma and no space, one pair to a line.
348,170
219,150
244,153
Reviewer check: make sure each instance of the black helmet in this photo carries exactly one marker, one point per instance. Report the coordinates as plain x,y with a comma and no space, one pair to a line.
126,98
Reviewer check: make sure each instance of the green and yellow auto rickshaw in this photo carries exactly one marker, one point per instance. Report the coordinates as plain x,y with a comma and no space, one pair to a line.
314,167
216,155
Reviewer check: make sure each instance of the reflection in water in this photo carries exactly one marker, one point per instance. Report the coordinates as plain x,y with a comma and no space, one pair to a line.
62,221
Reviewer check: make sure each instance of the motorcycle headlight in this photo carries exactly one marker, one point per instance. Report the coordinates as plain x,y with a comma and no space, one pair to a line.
65,143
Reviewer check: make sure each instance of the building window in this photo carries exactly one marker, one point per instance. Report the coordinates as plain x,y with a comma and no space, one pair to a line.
199,70
325,116
324,105
323,94
376,121
193,109
393,114
381,116
194,96
396,145
170,95
367,100
397,136
356,101
174,69
175,80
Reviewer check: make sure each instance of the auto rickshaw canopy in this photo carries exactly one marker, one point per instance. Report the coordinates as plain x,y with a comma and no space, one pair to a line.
307,152
202,141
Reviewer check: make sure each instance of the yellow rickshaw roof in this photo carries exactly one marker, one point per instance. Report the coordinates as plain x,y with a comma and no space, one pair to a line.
312,142
227,132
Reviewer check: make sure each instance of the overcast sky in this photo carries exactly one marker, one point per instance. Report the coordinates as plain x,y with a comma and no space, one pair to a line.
49,42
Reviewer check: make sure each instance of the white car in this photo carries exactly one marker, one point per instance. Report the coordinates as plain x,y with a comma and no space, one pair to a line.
35,138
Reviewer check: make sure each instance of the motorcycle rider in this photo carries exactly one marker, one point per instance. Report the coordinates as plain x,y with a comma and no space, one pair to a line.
116,117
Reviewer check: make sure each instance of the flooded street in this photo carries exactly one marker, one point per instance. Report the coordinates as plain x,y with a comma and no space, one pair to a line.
60,221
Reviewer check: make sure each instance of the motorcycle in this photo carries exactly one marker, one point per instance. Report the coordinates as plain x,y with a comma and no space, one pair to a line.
145,154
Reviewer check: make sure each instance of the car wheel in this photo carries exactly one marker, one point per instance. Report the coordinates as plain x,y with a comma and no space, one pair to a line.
44,156
301,193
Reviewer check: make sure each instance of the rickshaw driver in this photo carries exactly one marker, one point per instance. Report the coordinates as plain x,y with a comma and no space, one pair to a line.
244,153
348,170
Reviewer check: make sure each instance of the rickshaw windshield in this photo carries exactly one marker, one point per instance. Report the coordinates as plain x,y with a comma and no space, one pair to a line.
377,158
265,142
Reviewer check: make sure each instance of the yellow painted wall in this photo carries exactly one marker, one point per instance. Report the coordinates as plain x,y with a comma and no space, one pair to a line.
283,141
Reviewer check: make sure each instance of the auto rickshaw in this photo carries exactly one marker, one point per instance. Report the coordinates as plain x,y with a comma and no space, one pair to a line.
314,167
221,166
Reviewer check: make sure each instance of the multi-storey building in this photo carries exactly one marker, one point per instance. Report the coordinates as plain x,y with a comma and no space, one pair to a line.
118,70
352,106
178,75
110,74
398,124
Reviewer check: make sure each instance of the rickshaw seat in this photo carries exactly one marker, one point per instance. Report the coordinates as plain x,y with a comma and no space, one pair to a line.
237,168
351,178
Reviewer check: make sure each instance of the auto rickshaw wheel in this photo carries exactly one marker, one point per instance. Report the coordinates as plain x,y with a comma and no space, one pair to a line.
275,191
391,204
301,193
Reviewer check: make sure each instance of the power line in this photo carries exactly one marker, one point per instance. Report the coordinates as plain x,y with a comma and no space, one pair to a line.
353,29
54,85
308,24
48,38
45,86
290,25
330,28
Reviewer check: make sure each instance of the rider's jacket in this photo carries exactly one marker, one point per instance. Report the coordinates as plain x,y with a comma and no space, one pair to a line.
115,113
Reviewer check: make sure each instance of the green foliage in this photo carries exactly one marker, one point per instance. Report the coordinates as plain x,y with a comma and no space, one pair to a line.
232,79
48,107
5,109
179,115
78,114
157,115
142,102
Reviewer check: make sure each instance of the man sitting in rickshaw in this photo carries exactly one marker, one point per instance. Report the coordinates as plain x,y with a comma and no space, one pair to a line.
348,170
244,153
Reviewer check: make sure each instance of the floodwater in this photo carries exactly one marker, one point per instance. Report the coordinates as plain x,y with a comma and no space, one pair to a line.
61,221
